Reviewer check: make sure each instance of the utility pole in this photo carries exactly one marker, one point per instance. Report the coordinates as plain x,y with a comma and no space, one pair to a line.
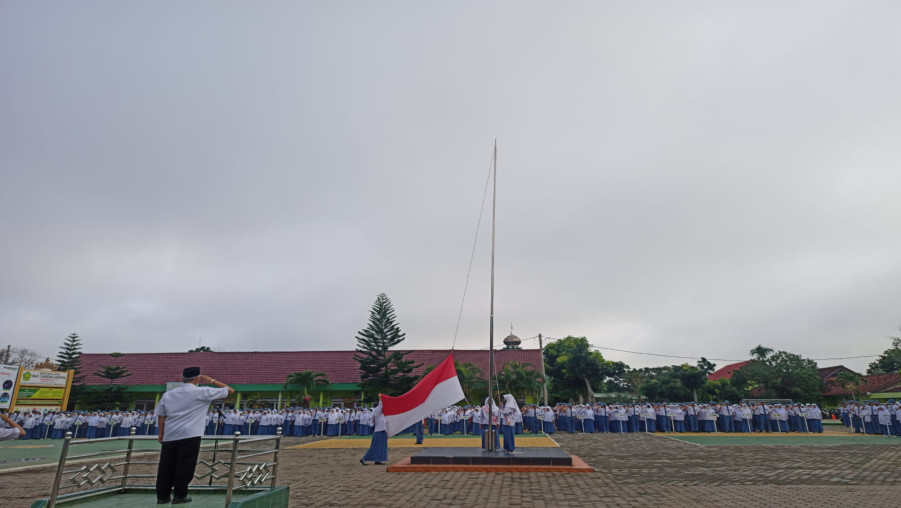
543,376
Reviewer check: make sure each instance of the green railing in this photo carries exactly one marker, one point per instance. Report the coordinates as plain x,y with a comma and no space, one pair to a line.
242,465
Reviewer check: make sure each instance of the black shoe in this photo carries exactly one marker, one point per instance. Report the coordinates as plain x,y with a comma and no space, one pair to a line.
363,462
379,463
163,501
181,500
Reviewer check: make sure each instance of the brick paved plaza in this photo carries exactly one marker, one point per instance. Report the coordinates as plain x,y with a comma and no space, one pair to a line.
632,470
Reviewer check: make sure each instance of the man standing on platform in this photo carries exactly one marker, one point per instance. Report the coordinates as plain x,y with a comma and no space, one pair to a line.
182,412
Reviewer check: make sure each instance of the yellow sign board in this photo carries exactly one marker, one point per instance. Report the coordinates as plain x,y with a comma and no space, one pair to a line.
48,389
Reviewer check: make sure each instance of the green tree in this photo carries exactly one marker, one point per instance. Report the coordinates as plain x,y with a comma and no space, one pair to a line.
850,381
692,378
636,381
889,361
201,349
381,369
304,381
781,375
719,390
757,379
472,379
519,379
113,395
69,358
616,377
799,377
760,352
706,366
574,369
664,384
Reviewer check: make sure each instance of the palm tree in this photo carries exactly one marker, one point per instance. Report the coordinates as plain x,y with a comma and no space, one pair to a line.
850,381
306,380
252,400
519,379
471,378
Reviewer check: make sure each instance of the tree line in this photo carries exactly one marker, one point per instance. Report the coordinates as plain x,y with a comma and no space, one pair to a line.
575,371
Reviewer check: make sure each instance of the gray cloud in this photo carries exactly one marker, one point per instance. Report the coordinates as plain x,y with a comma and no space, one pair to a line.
687,179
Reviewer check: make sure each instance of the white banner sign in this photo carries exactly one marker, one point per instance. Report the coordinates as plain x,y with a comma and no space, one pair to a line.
43,378
8,376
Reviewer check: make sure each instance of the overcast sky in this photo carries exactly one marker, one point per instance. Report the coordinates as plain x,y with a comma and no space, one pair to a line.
682,178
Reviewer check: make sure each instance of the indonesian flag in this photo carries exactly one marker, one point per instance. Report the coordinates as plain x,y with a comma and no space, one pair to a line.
437,390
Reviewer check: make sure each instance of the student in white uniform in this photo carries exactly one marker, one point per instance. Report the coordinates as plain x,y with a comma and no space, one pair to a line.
508,422
13,432
378,447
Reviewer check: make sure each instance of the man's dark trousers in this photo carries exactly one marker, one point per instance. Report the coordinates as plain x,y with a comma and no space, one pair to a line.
177,462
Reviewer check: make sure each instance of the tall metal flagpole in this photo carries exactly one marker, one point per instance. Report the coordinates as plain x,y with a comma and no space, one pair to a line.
490,443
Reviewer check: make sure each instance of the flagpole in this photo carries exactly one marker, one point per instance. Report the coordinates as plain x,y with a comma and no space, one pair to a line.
490,443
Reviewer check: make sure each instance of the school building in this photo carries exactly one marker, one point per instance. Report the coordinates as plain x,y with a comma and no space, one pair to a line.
258,377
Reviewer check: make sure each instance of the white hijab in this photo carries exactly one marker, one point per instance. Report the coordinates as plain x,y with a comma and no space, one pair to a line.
510,404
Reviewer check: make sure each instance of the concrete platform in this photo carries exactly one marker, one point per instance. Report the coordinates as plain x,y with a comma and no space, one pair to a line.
475,459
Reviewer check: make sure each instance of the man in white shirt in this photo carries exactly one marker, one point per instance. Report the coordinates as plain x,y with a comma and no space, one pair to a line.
182,414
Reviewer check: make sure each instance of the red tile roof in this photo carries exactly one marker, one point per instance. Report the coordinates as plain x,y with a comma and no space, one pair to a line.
266,367
726,372
827,372
874,383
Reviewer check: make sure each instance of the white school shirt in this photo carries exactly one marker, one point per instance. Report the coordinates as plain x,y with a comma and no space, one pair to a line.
379,419
9,433
184,408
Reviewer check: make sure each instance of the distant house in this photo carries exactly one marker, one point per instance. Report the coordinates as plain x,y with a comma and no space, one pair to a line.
828,372
873,387
727,371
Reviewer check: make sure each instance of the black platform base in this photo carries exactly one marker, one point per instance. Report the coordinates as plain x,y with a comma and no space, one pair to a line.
476,456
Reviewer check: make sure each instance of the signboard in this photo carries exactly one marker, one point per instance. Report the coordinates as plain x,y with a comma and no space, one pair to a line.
8,376
43,378
46,394
42,389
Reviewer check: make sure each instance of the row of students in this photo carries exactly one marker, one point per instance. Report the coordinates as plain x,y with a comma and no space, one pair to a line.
872,417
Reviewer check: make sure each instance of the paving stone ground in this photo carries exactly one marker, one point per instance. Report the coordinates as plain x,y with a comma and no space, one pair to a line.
631,470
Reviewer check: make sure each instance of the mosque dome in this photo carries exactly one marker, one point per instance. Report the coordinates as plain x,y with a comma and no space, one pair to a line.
512,342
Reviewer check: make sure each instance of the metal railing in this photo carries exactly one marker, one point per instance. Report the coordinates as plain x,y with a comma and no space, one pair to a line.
227,469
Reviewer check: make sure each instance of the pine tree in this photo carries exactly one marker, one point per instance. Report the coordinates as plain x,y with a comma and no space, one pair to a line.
69,357
382,370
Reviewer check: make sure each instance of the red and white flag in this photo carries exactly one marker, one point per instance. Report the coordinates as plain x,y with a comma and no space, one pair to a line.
437,390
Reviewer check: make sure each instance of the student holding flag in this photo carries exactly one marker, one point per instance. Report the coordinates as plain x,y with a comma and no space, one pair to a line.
438,389
378,447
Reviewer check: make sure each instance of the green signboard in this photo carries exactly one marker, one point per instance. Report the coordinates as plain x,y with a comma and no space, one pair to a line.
31,394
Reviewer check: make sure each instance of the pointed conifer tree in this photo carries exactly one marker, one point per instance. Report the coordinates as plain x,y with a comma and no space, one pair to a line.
381,369
69,358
